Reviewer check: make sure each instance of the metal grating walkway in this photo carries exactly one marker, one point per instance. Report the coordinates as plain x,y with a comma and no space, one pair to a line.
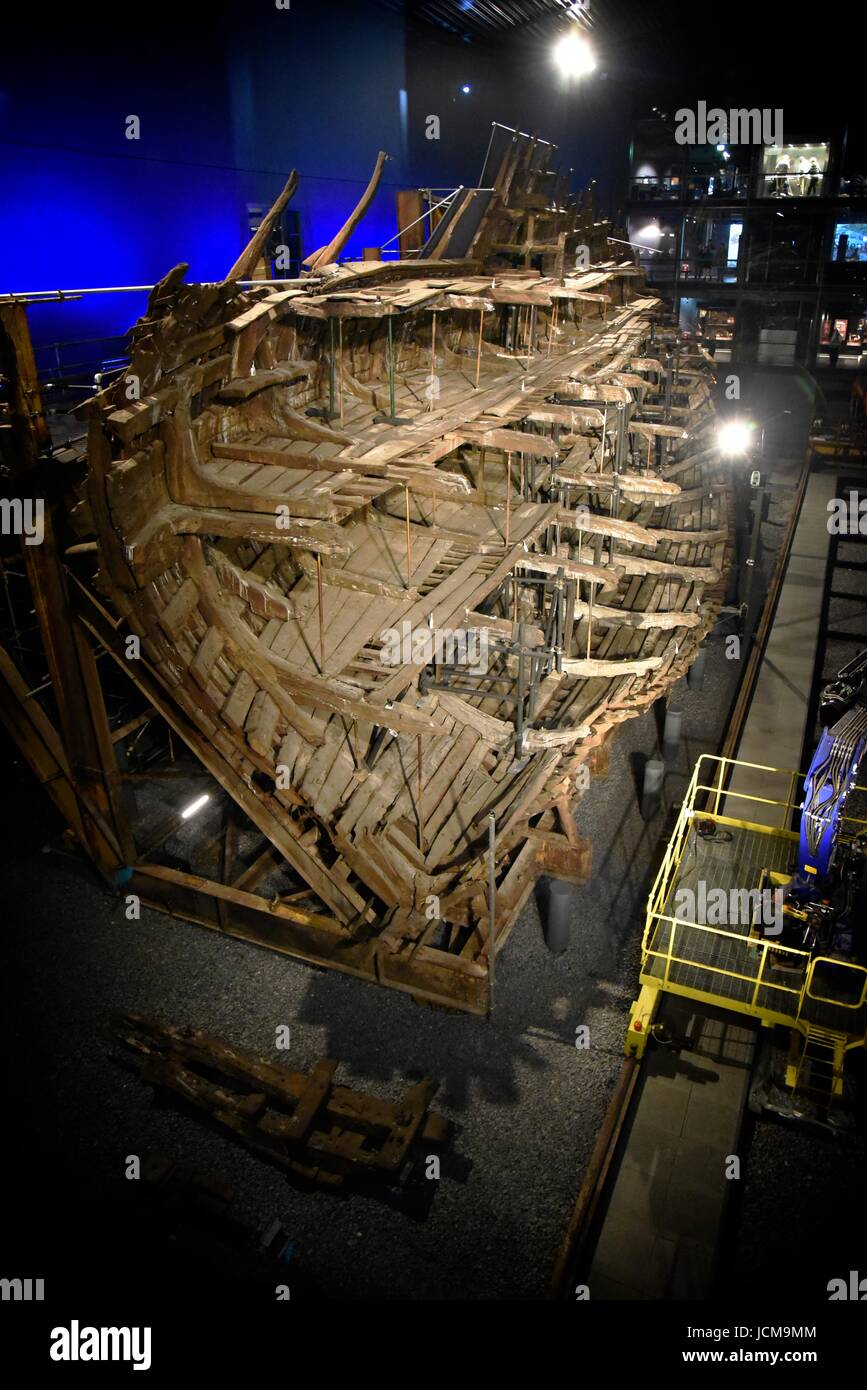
732,861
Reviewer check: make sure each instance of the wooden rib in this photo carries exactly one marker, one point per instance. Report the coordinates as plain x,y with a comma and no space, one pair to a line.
249,257
330,253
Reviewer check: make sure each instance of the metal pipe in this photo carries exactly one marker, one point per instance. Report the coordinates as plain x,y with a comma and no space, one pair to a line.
519,721
419,775
523,134
48,295
639,246
331,410
321,613
433,358
390,366
488,152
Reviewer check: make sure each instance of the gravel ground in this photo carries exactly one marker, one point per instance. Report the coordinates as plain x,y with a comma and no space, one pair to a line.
526,1102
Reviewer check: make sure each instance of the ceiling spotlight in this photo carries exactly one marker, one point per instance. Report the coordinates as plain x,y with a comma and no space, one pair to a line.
466,89
574,56
734,438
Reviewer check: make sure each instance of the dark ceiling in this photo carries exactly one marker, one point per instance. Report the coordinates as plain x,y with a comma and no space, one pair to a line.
489,19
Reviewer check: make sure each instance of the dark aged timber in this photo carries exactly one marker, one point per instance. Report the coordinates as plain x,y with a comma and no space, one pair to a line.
403,543
304,1121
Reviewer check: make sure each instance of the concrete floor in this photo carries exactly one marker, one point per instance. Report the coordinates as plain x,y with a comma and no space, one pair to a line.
776,722
669,1200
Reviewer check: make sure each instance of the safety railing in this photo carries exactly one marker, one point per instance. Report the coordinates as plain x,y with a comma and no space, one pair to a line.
687,944
758,976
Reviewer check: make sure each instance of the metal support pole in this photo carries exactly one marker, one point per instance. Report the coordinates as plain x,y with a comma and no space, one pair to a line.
408,540
321,612
519,715
752,558
671,733
390,366
331,411
651,790
390,418
433,360
327,413
419,781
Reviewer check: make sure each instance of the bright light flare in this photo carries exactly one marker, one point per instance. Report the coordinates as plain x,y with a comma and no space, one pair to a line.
574,56
651,232
195,806
734,438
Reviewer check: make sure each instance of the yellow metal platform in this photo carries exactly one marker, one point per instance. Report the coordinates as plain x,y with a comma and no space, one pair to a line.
715,856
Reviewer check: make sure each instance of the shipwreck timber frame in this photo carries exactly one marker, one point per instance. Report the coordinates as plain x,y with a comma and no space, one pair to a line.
514,458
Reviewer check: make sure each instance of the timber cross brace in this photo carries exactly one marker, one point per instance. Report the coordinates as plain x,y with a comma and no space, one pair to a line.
481,444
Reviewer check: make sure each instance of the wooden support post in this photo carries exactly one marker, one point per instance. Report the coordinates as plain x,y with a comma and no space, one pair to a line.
42,746
340,351
508,497
28,431
479,353
77,694
98,716
408,541
552,326
433,360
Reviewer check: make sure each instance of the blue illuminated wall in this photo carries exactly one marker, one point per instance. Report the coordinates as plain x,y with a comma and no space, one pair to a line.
230,98
232,95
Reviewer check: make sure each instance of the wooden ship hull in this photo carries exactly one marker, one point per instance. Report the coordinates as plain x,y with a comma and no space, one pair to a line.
403,543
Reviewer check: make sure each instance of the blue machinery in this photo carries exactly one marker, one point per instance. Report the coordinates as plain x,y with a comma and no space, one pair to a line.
825,898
